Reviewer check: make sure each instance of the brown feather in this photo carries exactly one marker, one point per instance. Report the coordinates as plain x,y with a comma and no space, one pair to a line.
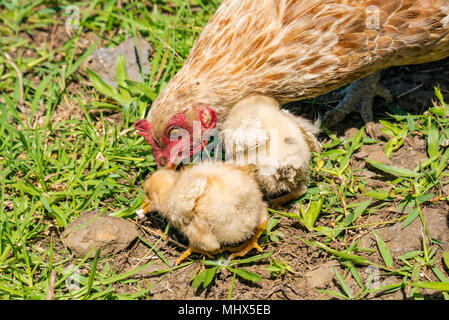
297,49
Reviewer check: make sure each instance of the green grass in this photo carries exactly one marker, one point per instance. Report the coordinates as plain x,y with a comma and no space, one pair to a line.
53,169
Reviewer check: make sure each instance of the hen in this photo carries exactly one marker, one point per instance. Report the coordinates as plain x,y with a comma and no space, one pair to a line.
212,204
291,50
279,144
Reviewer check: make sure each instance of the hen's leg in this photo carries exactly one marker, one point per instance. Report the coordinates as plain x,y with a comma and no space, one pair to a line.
243,249
295,194
359,97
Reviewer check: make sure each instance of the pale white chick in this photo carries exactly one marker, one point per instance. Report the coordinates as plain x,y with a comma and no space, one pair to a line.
257,131
212,204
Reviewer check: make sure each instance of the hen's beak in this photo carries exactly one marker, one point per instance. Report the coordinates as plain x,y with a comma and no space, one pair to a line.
173,164
144,209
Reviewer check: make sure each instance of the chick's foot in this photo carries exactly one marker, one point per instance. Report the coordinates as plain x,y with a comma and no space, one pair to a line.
358,97
144,209
189,251
243,249
277,203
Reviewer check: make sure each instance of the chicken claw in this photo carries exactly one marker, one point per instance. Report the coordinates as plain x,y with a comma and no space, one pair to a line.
359,97
243,249
189,251
238,251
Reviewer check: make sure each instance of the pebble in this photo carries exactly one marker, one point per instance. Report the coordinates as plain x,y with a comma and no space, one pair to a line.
94,230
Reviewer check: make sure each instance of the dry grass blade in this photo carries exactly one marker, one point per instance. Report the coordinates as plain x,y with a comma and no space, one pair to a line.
51,287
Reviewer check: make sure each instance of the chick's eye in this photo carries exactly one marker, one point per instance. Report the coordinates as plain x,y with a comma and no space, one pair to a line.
175,134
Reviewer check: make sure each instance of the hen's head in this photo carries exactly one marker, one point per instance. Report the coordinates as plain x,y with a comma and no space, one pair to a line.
178,136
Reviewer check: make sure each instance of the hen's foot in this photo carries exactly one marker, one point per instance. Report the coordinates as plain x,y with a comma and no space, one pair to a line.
243,249
189,251
359,97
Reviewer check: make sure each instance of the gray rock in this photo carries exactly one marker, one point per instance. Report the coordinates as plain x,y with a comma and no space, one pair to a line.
93,230
103,61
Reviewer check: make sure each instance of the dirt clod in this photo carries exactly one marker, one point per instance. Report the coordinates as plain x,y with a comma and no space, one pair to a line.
376,153
321,277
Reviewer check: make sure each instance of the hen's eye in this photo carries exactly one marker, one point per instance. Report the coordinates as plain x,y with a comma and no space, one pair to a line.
175,134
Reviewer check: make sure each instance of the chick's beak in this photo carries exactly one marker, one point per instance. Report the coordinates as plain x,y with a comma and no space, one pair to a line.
144,209
168,162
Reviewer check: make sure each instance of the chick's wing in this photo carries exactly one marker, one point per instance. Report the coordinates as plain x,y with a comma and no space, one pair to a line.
184,195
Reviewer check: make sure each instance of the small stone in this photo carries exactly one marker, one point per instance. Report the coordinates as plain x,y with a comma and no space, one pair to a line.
408,158
103,61
94,230
361,155
321,277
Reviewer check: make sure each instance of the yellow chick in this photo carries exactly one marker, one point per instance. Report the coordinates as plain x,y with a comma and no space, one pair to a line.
278,143
212,204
